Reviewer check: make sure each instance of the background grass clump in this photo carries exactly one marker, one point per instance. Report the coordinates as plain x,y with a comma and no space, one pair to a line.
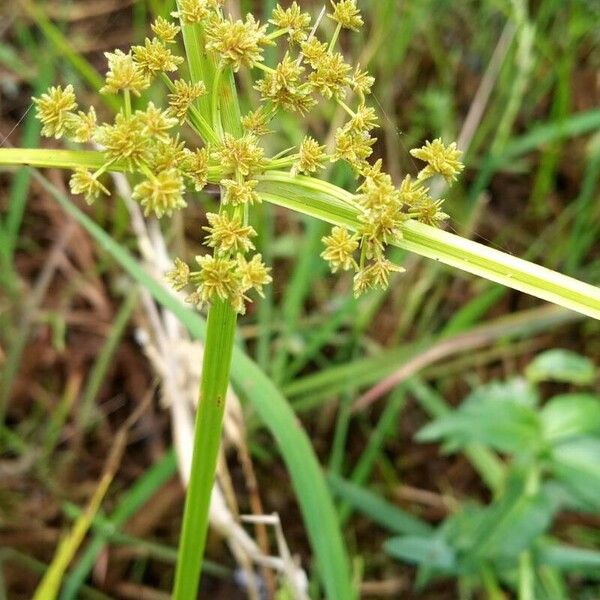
456,419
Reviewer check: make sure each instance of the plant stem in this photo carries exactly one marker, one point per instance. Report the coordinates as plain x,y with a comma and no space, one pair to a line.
207,438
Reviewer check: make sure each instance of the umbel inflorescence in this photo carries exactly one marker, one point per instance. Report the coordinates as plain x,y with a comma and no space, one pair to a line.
171,150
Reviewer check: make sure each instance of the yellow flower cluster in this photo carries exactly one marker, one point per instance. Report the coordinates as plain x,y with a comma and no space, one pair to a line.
148,140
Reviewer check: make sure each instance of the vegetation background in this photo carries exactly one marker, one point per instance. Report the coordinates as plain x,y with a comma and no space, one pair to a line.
516,82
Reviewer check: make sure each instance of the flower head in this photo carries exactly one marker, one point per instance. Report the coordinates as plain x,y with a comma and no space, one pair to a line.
284,88
179,276
195,168
182,97
362,82
54,110
156,123
442,160
346,13
340,246
237,43
161,194
254,273
313,51
84,182
311,156
165,31
124,74
125,140
294,20
82,126
240,192
196,11
331,75
154,57
218,278
228,234
239,155
257,122
167,153
377,274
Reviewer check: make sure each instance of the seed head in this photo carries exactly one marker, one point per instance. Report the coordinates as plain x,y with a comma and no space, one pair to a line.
161,194
339,249
346,13
238,43
84,182
154,57
311,156
294,20
183,96
54,110
179,276
442,160
165,31
240,192
124,74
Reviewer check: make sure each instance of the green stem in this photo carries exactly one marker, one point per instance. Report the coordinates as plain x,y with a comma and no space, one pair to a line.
127,102
207,438
335,37
215,102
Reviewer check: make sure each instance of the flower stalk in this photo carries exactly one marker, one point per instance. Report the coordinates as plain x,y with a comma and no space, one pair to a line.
218,349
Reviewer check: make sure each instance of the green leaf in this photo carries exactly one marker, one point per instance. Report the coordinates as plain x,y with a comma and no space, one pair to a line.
561,365
513,522
569,558
432,552
498,415
570,415
576,465
377,509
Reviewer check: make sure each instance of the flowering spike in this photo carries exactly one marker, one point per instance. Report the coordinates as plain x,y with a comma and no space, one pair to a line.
442,160
55,110
346,13
161,194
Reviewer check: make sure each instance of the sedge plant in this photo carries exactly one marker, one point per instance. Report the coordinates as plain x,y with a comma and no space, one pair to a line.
200,138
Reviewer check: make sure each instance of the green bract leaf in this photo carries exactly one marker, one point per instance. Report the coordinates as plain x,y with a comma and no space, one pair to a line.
561,365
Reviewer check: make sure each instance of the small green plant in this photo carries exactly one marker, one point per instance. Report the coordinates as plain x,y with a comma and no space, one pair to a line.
552,450
200,137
